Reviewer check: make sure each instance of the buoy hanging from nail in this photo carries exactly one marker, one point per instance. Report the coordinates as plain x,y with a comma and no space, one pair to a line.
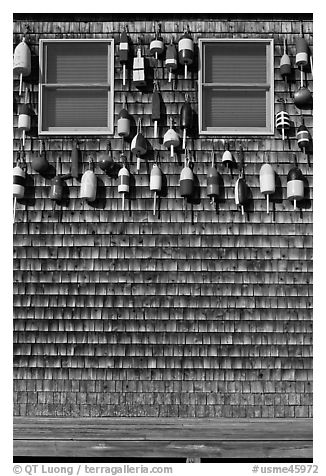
123,53
171,58
22,61
282,120
302,97
241,189
124,180
155,184
19,181
171,139
156,108
124,122
56,190
227,159
88,185
213,182
267,181
285,64
105,160
138,73
186,50
185,119
24,118
40,163
186,181
74,165
139,145
303,137
156,46
295,186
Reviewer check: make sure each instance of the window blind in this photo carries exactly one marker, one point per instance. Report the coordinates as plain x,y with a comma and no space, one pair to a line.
235,63
230,108
77,63
76,108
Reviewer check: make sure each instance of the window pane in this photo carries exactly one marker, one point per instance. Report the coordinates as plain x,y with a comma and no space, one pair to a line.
77,62
234,108
235,62
75,108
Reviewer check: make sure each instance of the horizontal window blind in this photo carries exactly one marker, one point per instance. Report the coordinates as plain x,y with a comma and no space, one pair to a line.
77,63
234,62
234,108
75,108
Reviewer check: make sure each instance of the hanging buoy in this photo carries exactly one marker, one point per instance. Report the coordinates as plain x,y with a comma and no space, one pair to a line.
303,137
302,97
283,122
124,182
24,118
124,122
39,163
285,64
88,185
155,184
267,181
295,186
241,192
186,50
139,145
302,51
171,59
186,181
56,190
123,53
74,166
227,159
105,160
241,189
138,73
213,188
171,139
156,46
156,108
22,62
19,182
185,119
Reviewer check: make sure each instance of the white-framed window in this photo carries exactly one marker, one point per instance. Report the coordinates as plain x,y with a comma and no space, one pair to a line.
236,86
76,86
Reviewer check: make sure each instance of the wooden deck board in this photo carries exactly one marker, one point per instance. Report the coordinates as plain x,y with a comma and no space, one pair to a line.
148,437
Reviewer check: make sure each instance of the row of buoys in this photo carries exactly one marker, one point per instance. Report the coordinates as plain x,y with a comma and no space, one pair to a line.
88,186
185,55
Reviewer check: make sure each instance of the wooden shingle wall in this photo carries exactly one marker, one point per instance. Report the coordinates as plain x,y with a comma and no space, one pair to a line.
207,314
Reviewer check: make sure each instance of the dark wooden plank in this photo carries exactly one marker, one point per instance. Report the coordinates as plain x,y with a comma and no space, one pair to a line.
169,448
108,429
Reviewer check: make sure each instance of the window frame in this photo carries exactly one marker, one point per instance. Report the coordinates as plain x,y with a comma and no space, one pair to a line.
269,86
107,130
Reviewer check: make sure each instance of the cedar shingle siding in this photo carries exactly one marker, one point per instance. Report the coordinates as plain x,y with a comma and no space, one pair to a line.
202,314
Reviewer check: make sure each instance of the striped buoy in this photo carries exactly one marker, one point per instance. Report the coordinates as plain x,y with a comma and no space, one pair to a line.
19,181
295,186
171,58
186,50
123,53
282,122
155,184
171,139
124,181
